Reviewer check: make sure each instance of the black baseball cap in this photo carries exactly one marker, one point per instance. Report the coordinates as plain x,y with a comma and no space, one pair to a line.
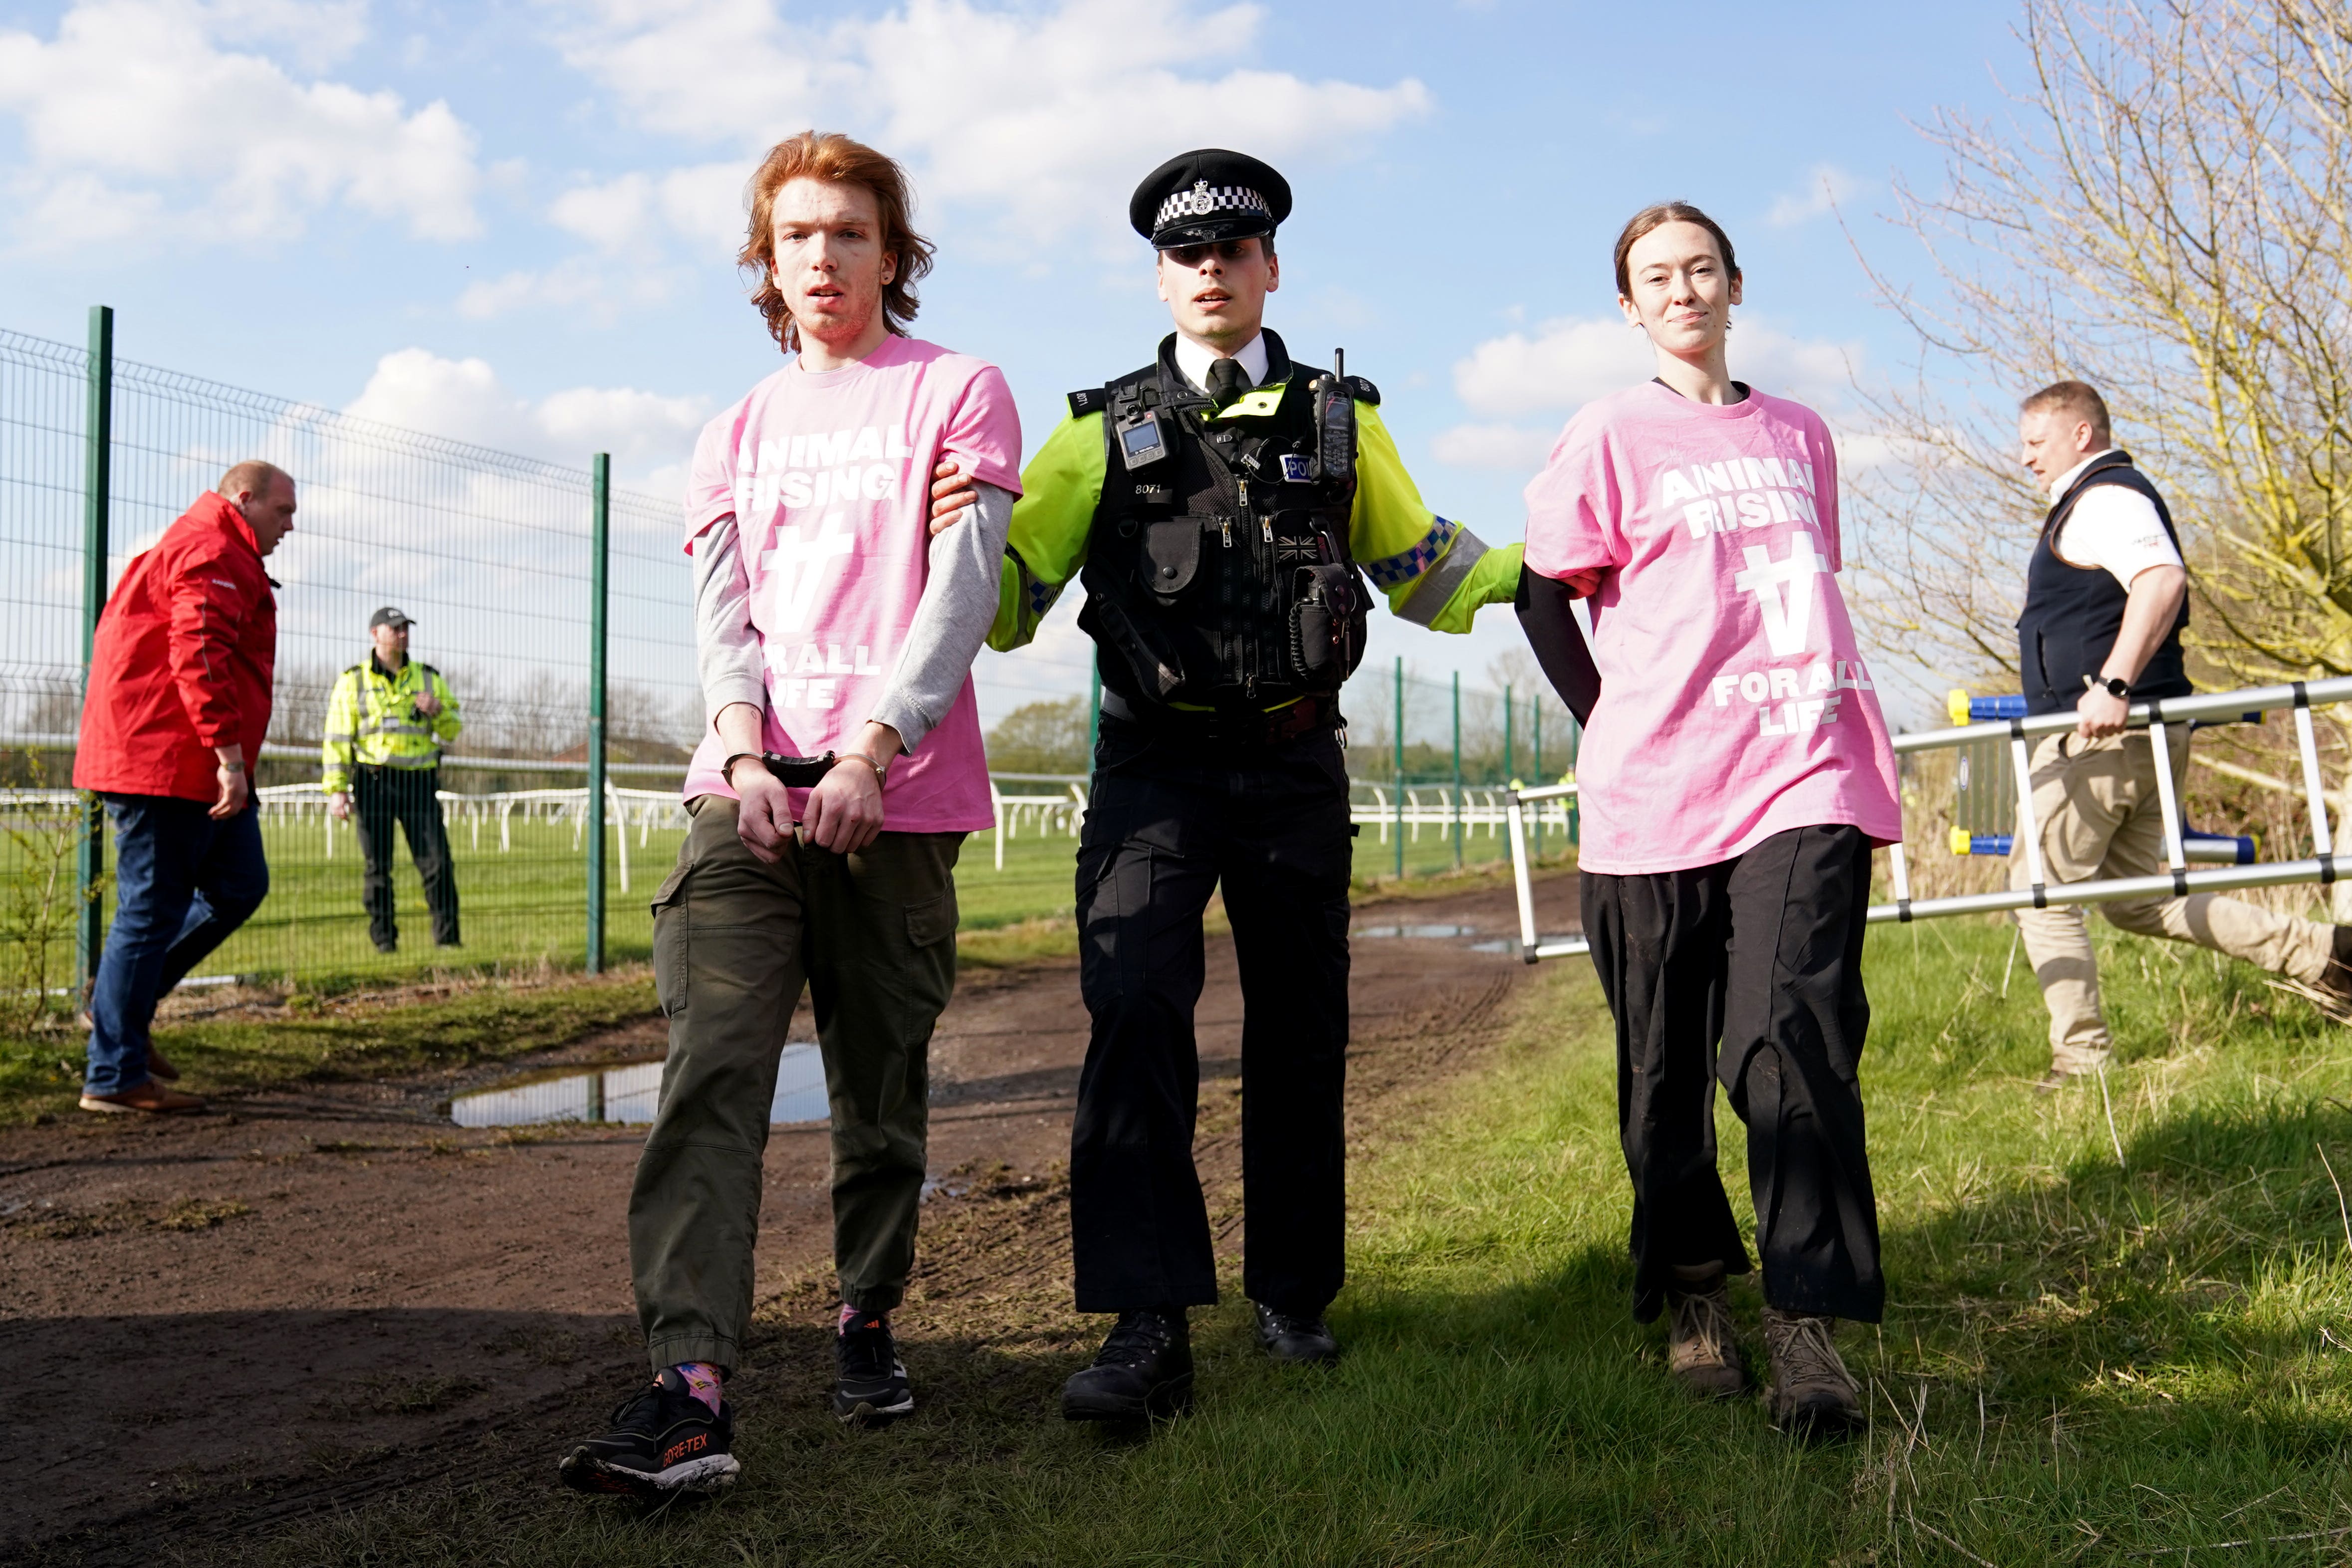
388,616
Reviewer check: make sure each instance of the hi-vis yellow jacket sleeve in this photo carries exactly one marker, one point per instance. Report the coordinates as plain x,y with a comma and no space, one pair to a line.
1060,490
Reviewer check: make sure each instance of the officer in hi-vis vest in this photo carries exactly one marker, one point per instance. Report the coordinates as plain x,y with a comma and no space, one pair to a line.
1225,505
387,723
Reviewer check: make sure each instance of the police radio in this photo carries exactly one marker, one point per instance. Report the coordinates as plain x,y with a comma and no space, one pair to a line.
1335,424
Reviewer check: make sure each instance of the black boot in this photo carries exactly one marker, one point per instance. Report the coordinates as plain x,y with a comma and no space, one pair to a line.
1295,1340
1144,1369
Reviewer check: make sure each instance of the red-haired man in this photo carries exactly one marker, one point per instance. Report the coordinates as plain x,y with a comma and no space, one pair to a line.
831,625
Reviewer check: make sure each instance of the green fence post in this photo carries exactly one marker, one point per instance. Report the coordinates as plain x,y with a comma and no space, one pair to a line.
600,541
97,504
1535,724
1575,814
1399,768
1457,770
1510,752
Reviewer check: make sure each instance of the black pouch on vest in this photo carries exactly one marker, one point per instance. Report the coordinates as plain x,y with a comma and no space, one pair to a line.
800,772
1327,626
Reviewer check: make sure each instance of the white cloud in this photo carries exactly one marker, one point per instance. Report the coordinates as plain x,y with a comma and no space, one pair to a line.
1505,446
703,202
1826,187
1566,362
1040,119
157,116
465,400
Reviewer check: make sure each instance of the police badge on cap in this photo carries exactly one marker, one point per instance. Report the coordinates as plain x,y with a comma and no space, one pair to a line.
1199,198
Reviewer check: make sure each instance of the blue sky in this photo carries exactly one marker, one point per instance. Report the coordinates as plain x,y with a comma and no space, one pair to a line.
512,222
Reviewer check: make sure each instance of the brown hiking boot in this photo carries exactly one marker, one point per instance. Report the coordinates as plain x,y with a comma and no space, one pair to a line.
1702,1349
149,1098
1811,1394
159,1068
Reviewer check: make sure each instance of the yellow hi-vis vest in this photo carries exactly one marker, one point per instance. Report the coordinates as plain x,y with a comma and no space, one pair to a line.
372,721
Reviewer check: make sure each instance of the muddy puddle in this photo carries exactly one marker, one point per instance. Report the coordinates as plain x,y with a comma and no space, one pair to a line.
630,1094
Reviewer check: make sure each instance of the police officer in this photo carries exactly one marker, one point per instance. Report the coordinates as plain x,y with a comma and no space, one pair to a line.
387,722
1225,505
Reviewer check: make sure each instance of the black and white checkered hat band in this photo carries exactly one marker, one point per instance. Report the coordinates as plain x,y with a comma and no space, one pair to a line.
1205,201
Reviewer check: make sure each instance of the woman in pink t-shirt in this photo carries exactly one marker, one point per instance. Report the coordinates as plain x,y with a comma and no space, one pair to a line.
1734,776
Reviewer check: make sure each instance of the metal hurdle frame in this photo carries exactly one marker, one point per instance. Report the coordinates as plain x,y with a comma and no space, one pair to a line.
2177,879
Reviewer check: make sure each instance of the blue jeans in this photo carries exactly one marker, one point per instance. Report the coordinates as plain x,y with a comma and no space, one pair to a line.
182,882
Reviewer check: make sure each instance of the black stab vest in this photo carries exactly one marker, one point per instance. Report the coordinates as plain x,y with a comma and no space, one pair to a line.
1214,576
2072,614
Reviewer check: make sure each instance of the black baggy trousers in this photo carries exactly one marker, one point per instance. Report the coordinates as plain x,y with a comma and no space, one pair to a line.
410,797
1761,955
1168,822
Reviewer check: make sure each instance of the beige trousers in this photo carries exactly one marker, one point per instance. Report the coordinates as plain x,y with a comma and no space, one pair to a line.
2096,804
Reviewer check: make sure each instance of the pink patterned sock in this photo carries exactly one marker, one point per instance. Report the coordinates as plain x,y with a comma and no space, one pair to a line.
850,1315
701,1380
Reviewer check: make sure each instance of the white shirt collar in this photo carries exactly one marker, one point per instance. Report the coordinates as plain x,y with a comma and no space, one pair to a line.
1194,359
2058,486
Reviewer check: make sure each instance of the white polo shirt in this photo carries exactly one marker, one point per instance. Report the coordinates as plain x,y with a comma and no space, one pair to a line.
2111,528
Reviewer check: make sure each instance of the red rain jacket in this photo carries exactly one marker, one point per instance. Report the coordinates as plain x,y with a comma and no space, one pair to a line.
186,648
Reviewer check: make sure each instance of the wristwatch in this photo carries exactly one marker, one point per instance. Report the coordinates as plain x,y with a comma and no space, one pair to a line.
2115,686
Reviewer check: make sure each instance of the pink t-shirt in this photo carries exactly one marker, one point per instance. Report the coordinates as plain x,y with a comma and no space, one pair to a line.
1734,703
827,476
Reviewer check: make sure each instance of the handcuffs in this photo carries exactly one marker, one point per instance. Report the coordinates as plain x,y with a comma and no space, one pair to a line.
800,772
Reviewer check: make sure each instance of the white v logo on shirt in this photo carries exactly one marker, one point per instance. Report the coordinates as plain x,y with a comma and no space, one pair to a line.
1788,623
798,567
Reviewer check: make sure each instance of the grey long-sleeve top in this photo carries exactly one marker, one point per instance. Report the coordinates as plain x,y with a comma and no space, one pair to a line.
951,620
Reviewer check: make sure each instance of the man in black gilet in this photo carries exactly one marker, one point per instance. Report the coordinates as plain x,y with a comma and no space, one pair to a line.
2106,603
1223,505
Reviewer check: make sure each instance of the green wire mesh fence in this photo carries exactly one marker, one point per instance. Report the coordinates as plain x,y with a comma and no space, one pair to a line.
486,551
490,554
1429,761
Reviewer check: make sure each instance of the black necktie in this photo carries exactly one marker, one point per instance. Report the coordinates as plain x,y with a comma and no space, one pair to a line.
1228,380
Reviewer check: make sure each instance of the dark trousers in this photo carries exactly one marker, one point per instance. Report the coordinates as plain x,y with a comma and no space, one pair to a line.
872,937
182,882
410,797
1167,823
1763,956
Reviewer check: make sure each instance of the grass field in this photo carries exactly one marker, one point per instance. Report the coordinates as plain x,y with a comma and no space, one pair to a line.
524,903
2084,1361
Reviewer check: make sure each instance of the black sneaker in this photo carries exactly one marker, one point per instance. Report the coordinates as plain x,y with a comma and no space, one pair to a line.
1295,1340
873,1390
664,1442
1144,1369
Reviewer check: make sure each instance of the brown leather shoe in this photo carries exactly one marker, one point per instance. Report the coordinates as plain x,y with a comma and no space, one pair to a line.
1702,1349
1811,1394
149,1098
159,1068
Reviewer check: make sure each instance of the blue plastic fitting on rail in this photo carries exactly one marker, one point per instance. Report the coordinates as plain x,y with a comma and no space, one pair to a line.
2245,846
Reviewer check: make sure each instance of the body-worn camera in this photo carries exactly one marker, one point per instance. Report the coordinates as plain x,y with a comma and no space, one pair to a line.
1143,437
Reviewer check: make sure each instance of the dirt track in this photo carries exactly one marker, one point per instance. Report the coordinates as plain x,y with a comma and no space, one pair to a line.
305,1297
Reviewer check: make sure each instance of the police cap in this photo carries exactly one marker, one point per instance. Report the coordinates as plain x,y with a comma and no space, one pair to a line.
1204,196
388,616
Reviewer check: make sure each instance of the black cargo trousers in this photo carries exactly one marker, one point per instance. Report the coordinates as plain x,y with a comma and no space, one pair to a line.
1749,972
1170,820
410,798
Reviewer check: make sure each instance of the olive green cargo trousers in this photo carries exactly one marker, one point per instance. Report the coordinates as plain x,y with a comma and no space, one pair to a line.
872,936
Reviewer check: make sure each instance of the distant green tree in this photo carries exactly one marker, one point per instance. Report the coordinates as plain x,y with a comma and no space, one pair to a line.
1041,738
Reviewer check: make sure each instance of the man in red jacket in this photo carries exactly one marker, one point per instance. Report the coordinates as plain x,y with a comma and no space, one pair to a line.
178,703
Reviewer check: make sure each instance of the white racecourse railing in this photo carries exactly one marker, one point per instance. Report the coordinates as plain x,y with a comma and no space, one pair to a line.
2165,723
